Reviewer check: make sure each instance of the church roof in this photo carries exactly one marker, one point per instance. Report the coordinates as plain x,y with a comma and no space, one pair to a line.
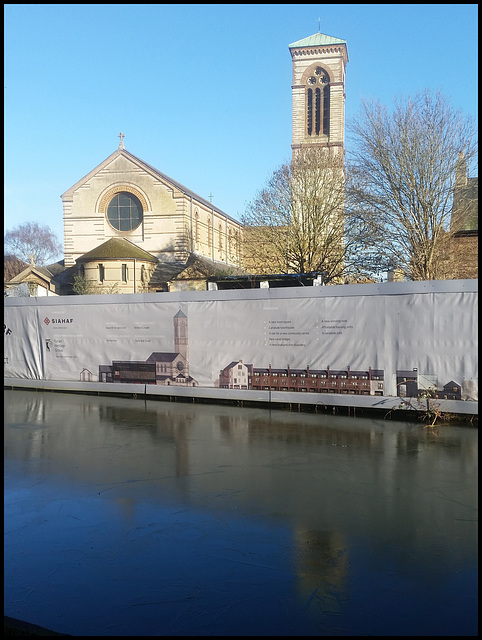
41,272
196,267
316,40
117,249
141,163
45,273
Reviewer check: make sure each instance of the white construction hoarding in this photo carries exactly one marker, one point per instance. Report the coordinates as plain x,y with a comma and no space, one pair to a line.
374,339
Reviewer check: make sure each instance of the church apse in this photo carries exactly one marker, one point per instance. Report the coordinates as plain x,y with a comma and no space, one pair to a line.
168,368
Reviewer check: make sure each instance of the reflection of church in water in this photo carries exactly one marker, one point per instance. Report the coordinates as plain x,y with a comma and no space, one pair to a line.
161,367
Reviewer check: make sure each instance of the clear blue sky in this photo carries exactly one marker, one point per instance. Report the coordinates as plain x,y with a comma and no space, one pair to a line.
202,92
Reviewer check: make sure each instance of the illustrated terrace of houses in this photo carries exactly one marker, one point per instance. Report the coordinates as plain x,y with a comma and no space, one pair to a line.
370,382
237,375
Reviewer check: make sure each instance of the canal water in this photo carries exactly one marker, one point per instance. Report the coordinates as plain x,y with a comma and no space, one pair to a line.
150,518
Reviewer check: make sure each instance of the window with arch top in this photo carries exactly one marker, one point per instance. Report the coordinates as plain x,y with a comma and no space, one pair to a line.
318,103
124,211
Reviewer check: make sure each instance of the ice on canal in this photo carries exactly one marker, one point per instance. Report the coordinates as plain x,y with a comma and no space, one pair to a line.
133,517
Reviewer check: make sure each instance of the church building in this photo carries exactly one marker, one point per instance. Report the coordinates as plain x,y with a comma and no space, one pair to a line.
126,222
130,228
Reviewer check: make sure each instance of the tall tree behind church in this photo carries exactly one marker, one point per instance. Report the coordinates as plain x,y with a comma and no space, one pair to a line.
299,222
406,163
31,241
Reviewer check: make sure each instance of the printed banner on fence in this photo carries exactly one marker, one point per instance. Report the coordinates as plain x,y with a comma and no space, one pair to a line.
293,339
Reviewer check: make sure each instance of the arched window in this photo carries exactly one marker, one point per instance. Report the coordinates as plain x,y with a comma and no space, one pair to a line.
318,103
124,211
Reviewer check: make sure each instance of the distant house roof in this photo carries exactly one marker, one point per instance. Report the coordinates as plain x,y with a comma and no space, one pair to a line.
44,275
117,249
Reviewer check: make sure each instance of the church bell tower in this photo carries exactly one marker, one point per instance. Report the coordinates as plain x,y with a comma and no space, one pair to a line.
181,344
319,63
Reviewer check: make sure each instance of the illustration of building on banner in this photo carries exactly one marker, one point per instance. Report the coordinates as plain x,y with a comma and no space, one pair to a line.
160,368
237,375
369,382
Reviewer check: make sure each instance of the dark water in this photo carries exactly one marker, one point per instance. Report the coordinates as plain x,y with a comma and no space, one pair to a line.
125,517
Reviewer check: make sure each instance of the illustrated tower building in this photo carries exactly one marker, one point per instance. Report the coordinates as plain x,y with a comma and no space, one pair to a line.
181,335
318,88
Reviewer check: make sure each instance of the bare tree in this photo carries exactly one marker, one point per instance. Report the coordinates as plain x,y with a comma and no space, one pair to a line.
404,163
299,223
12,266
32,241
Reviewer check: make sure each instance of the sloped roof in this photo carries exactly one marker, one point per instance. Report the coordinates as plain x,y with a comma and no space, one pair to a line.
44,272
316,40
32,270
117,249
452,383
196,267
162,356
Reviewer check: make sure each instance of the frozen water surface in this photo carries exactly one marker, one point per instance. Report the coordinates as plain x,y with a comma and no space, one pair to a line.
131,517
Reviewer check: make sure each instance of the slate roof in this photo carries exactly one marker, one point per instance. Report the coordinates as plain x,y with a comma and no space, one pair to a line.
46,272
196,266
117,249
162,356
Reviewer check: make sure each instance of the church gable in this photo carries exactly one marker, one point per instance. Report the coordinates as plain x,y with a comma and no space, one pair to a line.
124,197
131,170
120,171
